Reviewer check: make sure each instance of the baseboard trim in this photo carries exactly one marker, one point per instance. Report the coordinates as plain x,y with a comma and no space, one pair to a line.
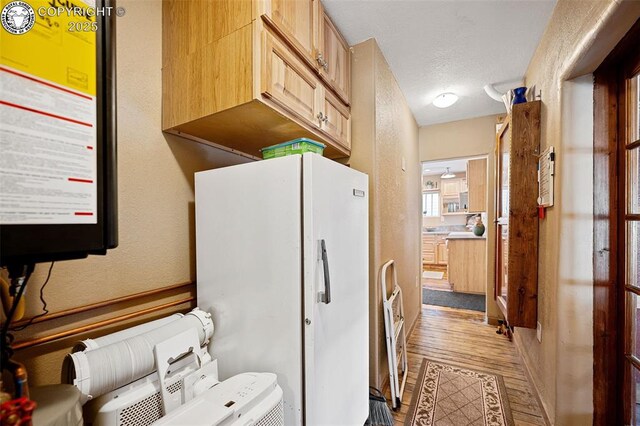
527,372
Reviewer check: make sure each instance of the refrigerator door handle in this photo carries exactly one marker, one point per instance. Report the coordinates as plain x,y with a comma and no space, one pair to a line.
325,296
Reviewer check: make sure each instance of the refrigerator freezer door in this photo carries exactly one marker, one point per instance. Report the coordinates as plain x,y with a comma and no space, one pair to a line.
336,330
249,251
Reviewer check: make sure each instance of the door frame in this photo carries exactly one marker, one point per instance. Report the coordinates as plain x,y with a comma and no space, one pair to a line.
608,234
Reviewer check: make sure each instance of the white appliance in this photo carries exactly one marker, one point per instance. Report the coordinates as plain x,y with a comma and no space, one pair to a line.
182,381
248,399
282,265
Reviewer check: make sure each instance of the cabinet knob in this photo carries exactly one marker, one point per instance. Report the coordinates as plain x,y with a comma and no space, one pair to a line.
321,62
322,118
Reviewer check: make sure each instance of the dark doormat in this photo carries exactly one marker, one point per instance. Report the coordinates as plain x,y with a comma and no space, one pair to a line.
474,302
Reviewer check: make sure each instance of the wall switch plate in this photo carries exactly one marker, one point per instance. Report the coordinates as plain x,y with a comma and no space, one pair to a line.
404,164
539,332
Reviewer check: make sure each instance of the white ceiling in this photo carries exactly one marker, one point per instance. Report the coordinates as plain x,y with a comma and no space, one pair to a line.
436,46
430,168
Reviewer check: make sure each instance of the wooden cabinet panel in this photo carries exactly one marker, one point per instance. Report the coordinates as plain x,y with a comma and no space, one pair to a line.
434,249
442,253
477,182
450,187
334,58
295,20
517,224
286,80
428,249
336,119
467,268
429,258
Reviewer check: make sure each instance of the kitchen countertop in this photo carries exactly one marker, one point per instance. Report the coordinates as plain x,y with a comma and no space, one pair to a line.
464,236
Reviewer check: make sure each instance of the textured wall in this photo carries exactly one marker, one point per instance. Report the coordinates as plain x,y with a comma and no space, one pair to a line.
157,239
385,136
468,138
578,37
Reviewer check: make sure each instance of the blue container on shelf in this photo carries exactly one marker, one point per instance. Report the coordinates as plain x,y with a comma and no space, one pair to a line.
519,95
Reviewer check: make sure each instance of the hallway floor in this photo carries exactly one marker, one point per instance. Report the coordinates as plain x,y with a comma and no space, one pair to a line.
461,338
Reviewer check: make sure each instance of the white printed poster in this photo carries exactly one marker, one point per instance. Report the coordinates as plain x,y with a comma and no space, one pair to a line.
48,128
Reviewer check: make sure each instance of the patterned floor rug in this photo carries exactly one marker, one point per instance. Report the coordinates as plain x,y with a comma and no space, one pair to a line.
445,395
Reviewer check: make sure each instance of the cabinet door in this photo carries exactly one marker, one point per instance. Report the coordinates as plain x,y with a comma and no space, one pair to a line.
477,182
287,81
429,249
429,258
443,255
336,119
450,187
334,58
295,20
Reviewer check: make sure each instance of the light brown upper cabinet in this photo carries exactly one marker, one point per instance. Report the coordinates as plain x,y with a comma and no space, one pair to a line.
295,20
243,74
287,81
334,58
336,120
450,187
477,183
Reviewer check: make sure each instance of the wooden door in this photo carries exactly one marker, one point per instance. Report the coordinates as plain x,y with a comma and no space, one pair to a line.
616,181
294,19
630,259
477,183
334,58
629,229
336,119
503,162
285,80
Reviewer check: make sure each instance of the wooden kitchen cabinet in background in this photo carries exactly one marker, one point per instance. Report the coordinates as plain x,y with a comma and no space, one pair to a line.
245,74
428,249
477,182
450,187
434,249
467,270
442,255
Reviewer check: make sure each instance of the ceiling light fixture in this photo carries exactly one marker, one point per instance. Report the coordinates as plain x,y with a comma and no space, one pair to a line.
447,175
445,100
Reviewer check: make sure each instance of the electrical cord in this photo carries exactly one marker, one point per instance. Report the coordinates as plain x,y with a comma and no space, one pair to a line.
45,311
19,275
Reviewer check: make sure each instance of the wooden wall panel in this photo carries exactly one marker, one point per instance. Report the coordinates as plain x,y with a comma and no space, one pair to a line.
522,307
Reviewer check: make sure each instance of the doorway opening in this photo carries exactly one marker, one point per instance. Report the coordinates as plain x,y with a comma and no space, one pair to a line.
454,237
617,235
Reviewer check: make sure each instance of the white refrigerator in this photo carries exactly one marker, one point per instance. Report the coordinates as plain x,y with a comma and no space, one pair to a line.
282,265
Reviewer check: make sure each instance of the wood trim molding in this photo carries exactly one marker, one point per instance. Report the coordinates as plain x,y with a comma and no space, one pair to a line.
99,324
609,395
110,302
95,307
606,356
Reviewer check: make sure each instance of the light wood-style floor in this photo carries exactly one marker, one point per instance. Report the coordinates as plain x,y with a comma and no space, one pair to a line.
461,338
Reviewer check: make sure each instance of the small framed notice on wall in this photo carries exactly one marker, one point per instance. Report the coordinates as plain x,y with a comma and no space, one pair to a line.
546,172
